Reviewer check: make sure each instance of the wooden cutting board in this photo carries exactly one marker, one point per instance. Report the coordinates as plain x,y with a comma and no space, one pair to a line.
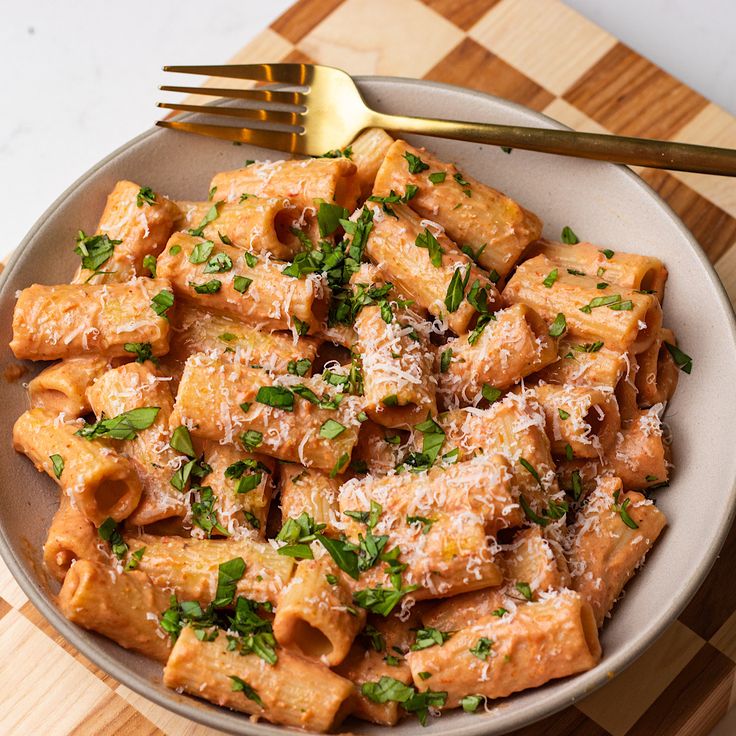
542,54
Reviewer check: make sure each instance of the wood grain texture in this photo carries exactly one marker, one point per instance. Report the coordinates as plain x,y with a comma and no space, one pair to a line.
694,702
463,13
568,722
114,717
300,18
471,65
629,95
713,228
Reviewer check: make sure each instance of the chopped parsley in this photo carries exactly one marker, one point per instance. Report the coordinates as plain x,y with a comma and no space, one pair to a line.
162,302
608,253
212,214
423,520
568,236
208,287
551,278
109,532
482,648
429,637
228,575
525,589
622,510
613,301
204,515
124,426
490,393
251,439
241,283
331,429
299,367
145,195
278,397
181,441
456,289
149,262
558,327
682,360
329,216
431,244
142,350
437,177
445,360
241,686
95,250
416,165
57,462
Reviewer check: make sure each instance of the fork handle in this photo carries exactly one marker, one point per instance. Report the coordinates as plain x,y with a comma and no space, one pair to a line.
656,154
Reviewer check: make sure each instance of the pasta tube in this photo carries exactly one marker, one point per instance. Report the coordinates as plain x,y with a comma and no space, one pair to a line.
585,364
623,319
656,379
379,450
460,611
188,567
472,213
124,606
221,279
62,388
610,537
310,491
510,347
515,428
439,520
142,221
99,482
586,419
195,330
553,638
215,389
535,560
303,182
440,289
71,537
241,482
133,386
629,270
639,456
67,320
367,153
397,363
293,692
316,617
379,653
257,224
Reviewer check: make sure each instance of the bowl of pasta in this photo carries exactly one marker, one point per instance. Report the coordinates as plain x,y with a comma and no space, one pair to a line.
375,439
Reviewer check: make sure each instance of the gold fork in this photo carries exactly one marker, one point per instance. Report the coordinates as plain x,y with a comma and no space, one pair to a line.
328,112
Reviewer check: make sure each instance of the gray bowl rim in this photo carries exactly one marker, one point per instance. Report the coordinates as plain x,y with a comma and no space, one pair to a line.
503,719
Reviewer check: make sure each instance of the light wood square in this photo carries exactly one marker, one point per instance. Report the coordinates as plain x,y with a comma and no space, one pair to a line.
43,689
545,39
382,37
618,705
170,723
569,115
712,126
9,589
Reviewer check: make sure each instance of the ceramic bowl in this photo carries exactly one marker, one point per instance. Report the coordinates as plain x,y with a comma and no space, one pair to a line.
603,203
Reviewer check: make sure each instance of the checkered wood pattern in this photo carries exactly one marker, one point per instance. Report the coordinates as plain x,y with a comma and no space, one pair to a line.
542,54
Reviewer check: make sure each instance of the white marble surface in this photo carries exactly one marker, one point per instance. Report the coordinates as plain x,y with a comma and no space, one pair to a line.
79,78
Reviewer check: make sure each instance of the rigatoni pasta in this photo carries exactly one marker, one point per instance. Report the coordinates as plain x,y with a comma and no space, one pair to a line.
345,438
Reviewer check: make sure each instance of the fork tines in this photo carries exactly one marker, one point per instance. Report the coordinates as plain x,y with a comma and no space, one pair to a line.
272,114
